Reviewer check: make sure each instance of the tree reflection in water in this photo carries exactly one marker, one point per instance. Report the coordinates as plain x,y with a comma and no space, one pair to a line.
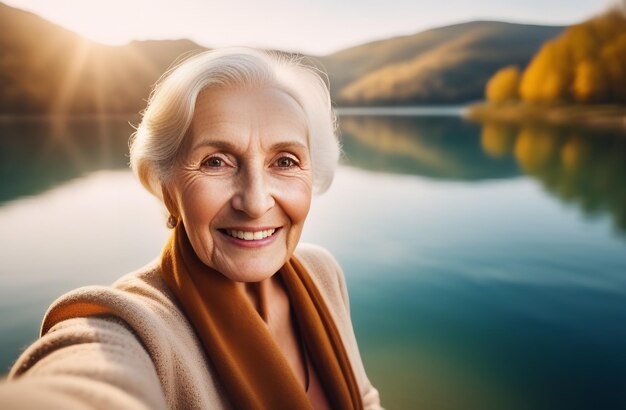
577,166
37,154
587,169
437,147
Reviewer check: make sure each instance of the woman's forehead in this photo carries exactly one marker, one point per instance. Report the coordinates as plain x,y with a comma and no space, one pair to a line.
237,114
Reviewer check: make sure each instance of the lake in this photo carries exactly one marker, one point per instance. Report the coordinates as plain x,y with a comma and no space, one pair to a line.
486,264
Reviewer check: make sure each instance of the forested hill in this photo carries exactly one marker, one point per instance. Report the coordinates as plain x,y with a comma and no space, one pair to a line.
444,65
45,68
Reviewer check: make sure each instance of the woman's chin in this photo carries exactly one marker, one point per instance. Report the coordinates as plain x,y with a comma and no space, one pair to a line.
251,270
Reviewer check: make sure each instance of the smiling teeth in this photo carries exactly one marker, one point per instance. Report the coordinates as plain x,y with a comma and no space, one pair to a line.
250,236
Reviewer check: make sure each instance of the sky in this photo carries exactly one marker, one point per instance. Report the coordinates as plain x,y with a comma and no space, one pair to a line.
314,27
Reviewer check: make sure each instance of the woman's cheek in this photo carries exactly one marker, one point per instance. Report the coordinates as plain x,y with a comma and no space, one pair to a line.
297,199
203,197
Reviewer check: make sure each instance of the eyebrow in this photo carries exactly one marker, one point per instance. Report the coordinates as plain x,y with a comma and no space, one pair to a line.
228,146
225,145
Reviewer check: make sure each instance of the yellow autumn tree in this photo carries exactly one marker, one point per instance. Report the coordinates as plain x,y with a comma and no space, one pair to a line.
614,61
590,82
548,77
504,85
587,63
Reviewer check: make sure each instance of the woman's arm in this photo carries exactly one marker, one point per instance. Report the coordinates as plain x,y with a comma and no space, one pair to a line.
84,363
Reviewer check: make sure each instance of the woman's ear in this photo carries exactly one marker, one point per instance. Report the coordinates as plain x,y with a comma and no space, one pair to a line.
170,204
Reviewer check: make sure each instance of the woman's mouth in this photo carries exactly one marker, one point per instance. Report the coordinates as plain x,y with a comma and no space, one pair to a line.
249,235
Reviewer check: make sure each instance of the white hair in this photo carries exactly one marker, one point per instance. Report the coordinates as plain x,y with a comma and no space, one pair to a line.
167,118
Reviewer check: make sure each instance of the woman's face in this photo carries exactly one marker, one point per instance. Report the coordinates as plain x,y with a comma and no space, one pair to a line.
243,188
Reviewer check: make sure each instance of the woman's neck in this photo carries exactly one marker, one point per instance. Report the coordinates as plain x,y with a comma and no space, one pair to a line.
267,297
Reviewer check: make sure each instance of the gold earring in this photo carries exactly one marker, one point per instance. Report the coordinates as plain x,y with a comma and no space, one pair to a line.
172,221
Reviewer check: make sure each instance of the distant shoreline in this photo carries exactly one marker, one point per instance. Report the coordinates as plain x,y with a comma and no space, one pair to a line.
414,110
420,110
589,116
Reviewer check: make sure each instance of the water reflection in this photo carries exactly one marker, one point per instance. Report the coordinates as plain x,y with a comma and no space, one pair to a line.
37,154
586,169
580,167
437,147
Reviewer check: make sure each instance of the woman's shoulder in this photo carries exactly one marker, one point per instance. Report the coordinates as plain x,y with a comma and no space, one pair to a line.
318,261
140,294
325,271
146,282
317,257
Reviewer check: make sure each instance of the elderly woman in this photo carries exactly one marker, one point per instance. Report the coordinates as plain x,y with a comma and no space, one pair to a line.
234,314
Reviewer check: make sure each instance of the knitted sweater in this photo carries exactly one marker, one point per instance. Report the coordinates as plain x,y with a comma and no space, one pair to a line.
145,354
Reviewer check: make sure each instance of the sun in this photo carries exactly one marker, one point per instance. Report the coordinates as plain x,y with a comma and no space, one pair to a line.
112,22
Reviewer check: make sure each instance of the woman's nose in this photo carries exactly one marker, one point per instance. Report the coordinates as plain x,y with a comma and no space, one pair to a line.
253,196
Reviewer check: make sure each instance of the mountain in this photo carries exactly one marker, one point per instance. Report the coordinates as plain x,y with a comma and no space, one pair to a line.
45,68
444,65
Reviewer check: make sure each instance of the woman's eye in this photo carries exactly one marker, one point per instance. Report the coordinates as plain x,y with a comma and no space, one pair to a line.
286,162
213,162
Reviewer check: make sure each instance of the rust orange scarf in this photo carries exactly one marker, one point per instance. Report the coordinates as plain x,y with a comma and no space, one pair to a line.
249,363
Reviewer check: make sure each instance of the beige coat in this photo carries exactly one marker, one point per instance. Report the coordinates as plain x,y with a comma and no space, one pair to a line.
146,355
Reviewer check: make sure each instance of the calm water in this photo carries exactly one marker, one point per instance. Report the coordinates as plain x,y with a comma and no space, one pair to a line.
486,265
